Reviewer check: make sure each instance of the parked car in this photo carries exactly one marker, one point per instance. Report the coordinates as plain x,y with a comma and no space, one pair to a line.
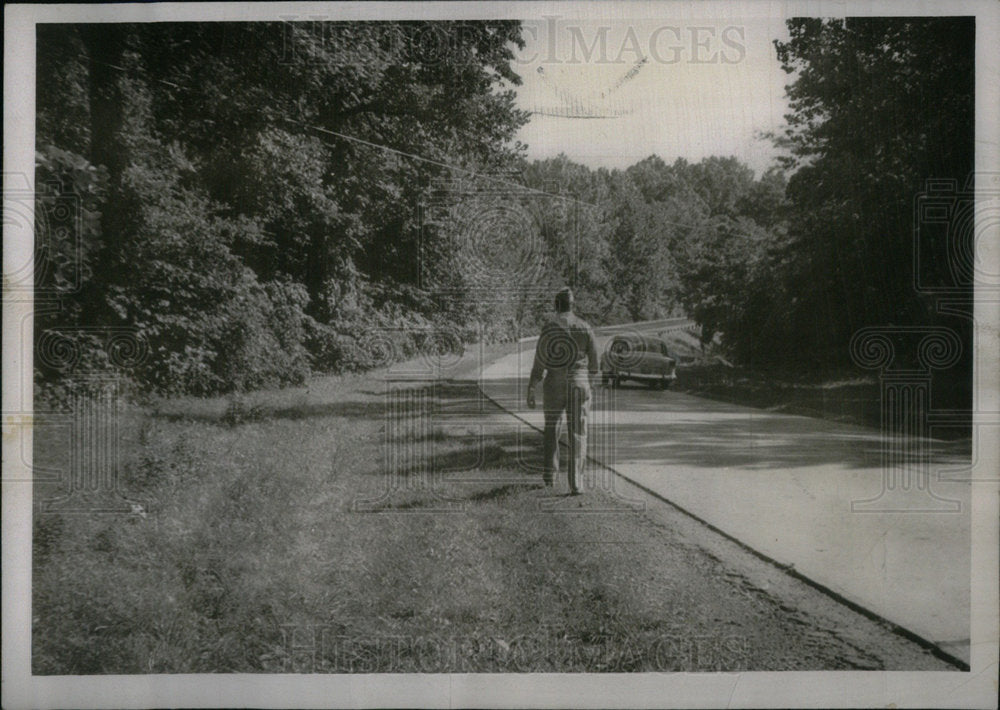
643,358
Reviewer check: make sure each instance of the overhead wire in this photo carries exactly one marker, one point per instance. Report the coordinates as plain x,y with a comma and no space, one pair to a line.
355,139
413,156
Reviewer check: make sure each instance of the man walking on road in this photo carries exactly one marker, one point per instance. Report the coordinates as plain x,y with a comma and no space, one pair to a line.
567,355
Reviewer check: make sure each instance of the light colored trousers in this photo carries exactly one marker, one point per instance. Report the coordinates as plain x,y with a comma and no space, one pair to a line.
569,395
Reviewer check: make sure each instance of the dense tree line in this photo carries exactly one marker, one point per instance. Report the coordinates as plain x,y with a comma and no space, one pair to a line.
257,199
879,107
228,222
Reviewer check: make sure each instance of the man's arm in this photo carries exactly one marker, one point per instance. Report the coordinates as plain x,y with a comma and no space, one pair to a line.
538,366
592,361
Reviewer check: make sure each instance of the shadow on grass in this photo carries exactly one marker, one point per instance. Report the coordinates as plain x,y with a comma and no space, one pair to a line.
451,496
438,454
501,492
409,400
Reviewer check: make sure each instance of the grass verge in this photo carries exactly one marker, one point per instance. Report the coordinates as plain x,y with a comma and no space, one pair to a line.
323,534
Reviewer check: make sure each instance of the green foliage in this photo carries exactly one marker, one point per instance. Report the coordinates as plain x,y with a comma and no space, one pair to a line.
702,238
62,107
727,284
231,227
785,271
67,209
249,203
69,247
879,106
638,249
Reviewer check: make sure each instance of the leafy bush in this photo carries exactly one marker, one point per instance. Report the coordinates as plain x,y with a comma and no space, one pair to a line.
211,325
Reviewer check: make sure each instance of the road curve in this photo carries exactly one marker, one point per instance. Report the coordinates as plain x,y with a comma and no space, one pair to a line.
647,326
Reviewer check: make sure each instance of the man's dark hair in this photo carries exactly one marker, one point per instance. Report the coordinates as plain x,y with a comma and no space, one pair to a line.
564,300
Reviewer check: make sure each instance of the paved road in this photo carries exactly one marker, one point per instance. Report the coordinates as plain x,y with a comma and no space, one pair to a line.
784,485
650,326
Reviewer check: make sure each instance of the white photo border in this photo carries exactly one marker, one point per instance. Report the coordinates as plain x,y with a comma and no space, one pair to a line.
976,688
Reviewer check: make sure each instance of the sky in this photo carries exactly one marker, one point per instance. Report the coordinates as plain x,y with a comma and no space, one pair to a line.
613,91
